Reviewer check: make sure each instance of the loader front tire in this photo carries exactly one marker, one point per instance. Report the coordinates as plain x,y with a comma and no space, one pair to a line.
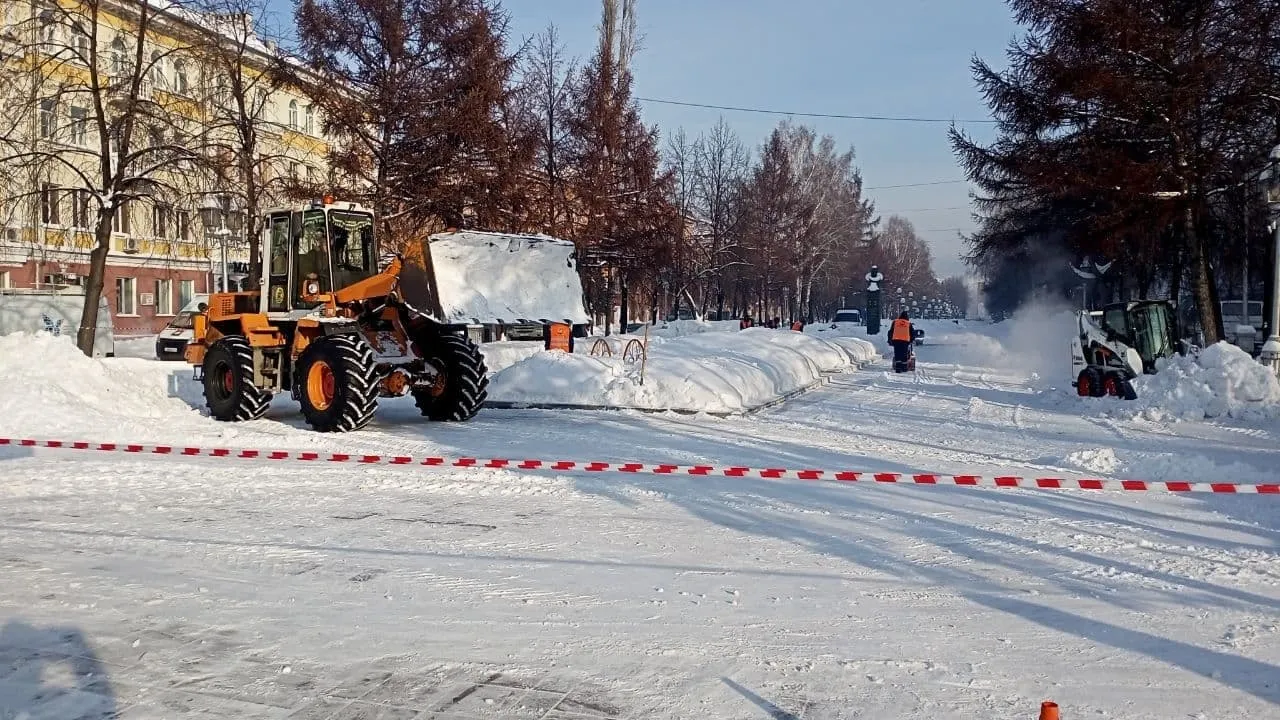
459,393
229,392
337,383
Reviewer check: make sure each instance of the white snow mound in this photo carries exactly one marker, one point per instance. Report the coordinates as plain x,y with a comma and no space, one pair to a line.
1224,381
718,372
52,388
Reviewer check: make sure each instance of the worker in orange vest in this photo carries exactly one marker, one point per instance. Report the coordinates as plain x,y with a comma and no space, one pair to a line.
901,335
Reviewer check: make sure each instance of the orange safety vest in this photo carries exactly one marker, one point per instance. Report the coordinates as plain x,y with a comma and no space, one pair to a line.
901,331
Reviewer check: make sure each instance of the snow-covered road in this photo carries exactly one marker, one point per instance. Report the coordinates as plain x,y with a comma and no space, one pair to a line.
170,588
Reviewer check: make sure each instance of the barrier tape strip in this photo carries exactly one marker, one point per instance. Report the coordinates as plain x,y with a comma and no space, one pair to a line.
838,476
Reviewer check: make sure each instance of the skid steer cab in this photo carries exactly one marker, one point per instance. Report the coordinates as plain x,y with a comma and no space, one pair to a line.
1116,344
330,327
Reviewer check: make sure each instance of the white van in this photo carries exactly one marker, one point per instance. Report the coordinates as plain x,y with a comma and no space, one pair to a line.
57,312
171,342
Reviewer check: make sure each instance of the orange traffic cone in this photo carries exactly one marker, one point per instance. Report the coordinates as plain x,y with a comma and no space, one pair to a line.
1049,710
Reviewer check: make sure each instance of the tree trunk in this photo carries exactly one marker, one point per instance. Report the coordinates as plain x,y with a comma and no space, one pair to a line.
87,333
251,227
626,300
1202,284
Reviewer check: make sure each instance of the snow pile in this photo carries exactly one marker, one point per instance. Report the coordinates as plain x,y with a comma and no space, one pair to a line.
52,388
704,372
680,328
1224,381
486,277
503,354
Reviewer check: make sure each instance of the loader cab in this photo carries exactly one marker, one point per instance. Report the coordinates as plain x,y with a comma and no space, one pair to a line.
1146,326
330,244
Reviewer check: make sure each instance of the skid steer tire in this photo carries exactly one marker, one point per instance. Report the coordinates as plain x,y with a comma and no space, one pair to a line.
229,392
464,386
337,383
1089,383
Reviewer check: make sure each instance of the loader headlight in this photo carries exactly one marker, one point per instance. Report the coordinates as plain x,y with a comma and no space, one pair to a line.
313,288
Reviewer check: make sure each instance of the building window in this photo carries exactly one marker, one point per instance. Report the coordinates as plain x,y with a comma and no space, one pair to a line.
157,70
160,221
48,117
49,24
293,114
49,197
310,120
164,297
120,221
80,209
79,126
81,39
260,103
180,82
119,60
126,296
182,219
186,292
295,171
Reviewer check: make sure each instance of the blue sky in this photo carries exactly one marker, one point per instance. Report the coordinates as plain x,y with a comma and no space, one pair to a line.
860,57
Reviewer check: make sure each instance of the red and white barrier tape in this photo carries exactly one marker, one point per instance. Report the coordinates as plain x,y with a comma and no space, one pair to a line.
839,476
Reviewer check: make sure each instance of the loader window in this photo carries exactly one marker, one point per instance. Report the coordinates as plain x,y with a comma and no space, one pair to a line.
312,257
351,240
278,270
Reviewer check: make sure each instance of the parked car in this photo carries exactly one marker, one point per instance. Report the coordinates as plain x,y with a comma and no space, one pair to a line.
172,341
56,312
846,317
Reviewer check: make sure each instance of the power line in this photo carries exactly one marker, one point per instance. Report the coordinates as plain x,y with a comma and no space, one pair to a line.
927,209
837,116
919,184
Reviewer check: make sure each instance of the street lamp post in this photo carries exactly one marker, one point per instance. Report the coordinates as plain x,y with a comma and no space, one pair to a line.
1271,349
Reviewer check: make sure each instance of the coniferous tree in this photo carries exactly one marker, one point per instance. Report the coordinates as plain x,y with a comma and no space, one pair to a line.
1121,125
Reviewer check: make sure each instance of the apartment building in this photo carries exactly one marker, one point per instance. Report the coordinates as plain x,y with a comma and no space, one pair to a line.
168,245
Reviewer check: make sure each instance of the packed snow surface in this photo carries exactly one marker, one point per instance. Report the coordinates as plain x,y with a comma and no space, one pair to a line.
486,277
147,587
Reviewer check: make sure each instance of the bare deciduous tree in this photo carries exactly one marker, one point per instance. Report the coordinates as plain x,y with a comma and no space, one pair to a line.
105,129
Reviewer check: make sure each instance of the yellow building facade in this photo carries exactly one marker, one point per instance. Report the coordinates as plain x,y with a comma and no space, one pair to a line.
71,68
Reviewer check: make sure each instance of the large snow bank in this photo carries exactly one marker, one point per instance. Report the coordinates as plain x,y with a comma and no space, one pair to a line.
52,388
704,372
680,328
1224,381
487,277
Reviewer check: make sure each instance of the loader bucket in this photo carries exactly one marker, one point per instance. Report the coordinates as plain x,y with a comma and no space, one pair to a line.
417,280
472,277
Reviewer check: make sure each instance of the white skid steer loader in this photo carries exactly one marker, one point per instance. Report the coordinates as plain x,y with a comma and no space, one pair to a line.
1116,344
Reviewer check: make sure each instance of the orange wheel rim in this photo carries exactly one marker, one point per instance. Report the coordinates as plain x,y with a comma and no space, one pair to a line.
228,381
320,385
438,384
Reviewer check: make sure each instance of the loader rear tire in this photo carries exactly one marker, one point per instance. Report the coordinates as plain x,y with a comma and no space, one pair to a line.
229,392
464,386
337,383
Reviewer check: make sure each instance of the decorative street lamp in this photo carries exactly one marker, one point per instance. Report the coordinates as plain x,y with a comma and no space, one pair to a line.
1270,354
873,278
